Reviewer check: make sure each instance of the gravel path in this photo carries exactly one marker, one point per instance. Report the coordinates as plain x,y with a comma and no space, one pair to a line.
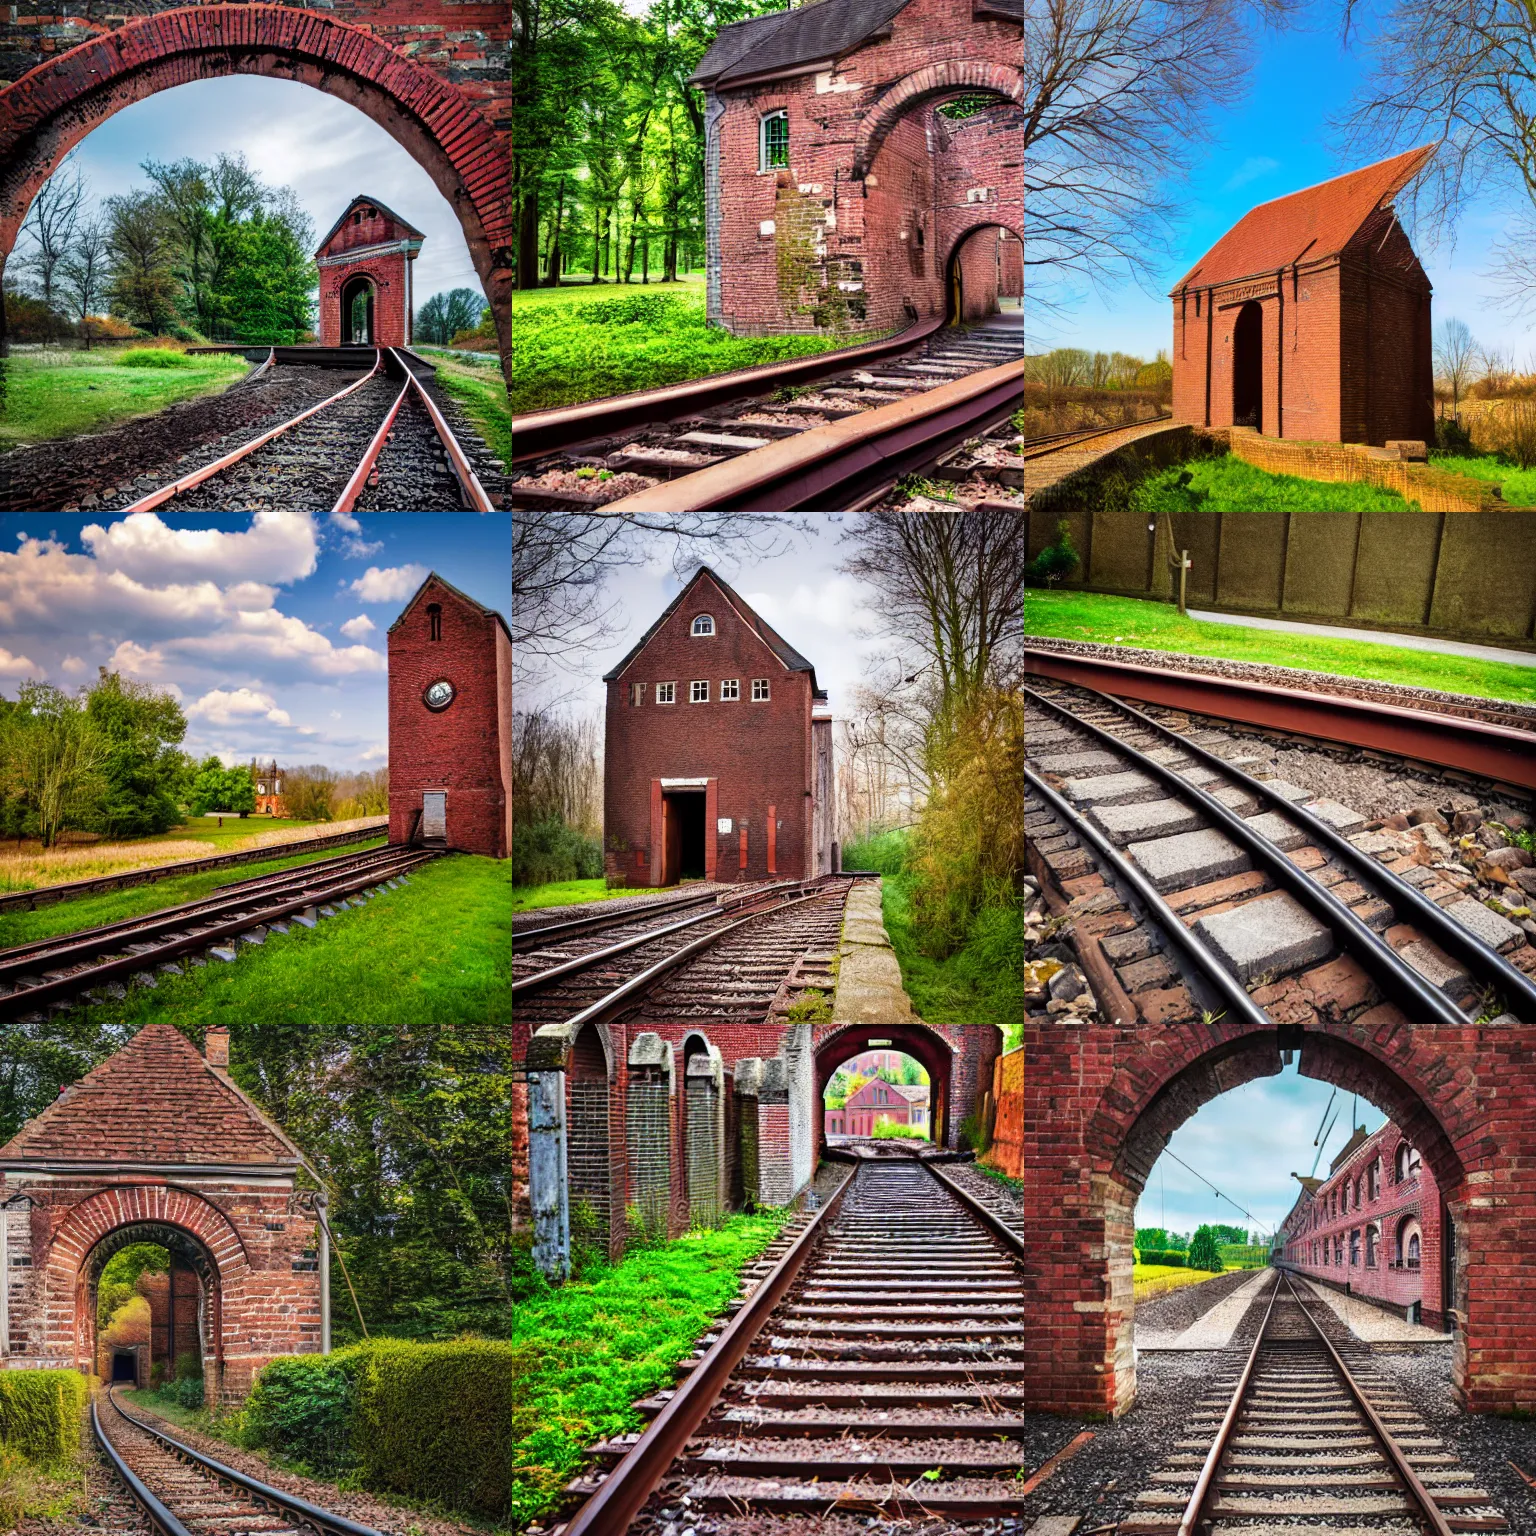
1177,1310
1214,1328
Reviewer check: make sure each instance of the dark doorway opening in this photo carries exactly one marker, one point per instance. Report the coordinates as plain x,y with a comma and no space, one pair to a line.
1248,368
684,815
124,1367
956,291
357,313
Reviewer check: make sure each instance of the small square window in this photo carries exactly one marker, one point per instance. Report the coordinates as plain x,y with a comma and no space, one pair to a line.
730,688
666,693
636,695
759,689
698,693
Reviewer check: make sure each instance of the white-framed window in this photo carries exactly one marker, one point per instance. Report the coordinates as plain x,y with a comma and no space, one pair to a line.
636,695
698,693
704,624
759,689
773,140
730,688
666,693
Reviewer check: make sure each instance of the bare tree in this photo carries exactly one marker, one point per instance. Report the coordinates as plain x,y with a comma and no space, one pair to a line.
50,225
1455,356
557,769
85,272
1497,368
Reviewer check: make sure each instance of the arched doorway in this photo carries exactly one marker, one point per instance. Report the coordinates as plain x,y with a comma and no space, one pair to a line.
1248,367
980,272
357,301
925,1046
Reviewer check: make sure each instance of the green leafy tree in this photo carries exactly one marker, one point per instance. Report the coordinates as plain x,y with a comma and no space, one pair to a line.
217,788
444,315
1204,1252
143,771
142,244
52,756
1154,1237
118,1282
1057,560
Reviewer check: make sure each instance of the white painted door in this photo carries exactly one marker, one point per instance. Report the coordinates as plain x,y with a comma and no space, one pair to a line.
434,815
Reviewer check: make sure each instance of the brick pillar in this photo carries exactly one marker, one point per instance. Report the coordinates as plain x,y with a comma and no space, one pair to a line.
775,1161
711,836
705,1078
658,837
648,1118
773,840
749,1075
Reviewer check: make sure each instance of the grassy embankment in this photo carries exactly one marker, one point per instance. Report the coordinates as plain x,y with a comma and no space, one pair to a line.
1108,620
609,1336
582,343
979,983
434,951
1154,1279
49,395
1519,484
1227,484
481,390
563,893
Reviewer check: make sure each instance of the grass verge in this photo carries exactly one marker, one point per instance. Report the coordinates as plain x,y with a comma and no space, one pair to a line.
997,1176
481,391
1132,621
1228,484
51,395
1154,1279
31,1492
432,952
564,893
1519,484
598,1343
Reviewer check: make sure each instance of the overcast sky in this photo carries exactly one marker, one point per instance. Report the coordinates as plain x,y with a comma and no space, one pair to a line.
1248,1143
270,628
291,135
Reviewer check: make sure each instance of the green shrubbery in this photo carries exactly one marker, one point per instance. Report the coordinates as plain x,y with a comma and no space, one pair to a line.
40,1414
547,851
1204,1252
1170,1256
1055,560
892,1130
153,357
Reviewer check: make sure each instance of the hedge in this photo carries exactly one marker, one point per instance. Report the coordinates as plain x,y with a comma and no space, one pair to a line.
1172,1256
40,1414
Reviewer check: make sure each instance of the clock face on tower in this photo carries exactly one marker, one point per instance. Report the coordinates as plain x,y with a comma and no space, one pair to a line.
439,695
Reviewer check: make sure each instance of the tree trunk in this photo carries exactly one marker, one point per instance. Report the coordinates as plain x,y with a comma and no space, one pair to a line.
645,254
552,274
528,241
597,219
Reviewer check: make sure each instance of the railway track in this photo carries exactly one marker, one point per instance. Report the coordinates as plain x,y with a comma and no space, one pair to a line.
734,958
379,441
1054,442
1274,906
181,1491
844,441
39,975
1309,1436
875,1371
550,938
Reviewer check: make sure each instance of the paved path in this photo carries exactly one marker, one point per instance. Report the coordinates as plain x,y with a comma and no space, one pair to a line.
1215,1329
869,989
1048,468
1372,1324
1376,636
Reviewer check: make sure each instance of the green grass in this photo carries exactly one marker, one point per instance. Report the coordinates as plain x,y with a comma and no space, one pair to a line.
999,1177
1131,621
598,1343
575,344
30,1492
563,893
209,831
51,395
481,391
1228,484
1519,484
434,951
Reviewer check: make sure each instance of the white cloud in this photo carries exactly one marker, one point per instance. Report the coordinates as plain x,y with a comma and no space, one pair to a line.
376,755
136,661
15,666
360,549
347,521
391,584
74,666
223,706
278,546
355,629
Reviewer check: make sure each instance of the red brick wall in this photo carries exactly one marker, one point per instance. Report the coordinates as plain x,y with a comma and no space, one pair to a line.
391,314
465,749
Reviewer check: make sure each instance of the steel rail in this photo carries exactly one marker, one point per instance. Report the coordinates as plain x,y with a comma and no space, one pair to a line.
1059,440
159,1516
208,471
1184,939
624,1491
725,900
1194,1511
1399,979
255,373
1444,929
824,468
1494,752
543,432
470,488
989,1218
278,1499
354,487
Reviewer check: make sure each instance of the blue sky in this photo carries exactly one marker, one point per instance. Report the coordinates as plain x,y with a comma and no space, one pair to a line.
1275,142
1248,1143
270,628
291,135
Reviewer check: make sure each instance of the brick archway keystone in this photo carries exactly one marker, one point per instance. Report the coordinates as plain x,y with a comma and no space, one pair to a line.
932,80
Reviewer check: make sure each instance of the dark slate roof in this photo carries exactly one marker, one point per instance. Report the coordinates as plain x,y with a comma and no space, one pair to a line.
780,41
764,631
433,576
372,202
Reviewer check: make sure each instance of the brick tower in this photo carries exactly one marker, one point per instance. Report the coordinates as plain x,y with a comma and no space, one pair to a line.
365,277
450,723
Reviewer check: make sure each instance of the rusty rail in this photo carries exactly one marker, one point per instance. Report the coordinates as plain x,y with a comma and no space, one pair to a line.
1053,442
469,484
354,487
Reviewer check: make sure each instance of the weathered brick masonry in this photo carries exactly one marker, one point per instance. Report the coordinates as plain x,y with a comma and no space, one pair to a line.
369,248
463,750
1101,1102
158,1145
880,191
433,73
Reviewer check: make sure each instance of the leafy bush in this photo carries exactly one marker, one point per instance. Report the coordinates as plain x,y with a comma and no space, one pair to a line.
1452,437
1171,1256
154,357
973,1134
544,852
1054,561
1204,1252
892,1130
883,852
40,1414
302,1407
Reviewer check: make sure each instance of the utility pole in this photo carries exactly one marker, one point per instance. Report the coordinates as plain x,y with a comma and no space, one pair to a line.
1183,575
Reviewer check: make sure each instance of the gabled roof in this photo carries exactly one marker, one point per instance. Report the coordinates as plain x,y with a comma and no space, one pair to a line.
913,1093
1309,1184
372,202
155,1101
463,596
754,621
1309,225
787,38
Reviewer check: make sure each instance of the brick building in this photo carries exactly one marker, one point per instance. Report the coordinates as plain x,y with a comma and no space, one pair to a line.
450,723
269,789
158,1145
1310,318
1373,1228
365,264
718,762
877,1100
835,193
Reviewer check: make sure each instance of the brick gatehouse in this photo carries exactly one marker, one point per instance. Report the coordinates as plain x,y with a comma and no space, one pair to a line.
680,1124
1310,318
365,264
433,73
158,1145
1101,1102
834,193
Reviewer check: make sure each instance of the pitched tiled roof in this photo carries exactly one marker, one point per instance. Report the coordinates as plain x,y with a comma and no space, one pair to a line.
155,1101
787,38
1309,225
372,202
913,1093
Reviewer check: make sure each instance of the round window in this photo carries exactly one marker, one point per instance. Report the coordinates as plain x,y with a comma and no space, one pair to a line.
439,695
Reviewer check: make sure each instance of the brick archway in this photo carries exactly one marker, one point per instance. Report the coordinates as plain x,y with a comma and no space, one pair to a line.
52,107
923,1044
345,295
1100,1104
941,79
956,242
